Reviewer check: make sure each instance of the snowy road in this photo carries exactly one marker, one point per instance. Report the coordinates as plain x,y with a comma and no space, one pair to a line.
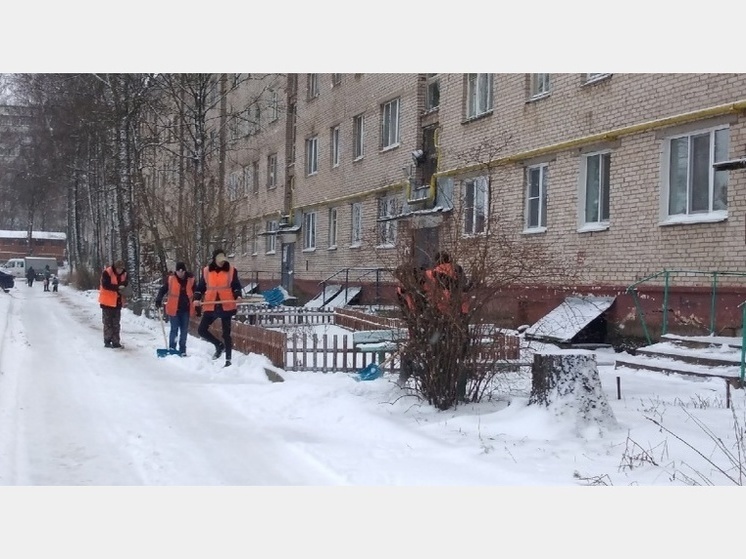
75,413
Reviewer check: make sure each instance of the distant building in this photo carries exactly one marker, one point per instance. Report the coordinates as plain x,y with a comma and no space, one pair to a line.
14,244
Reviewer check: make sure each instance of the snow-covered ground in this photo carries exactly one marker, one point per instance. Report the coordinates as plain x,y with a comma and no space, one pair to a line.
73,413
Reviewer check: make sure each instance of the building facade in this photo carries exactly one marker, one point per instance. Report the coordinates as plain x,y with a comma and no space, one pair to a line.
623,175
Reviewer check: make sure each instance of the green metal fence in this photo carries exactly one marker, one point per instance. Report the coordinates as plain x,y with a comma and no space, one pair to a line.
667,276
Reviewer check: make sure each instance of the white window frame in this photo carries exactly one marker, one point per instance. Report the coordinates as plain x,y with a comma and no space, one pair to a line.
390,124
358,137
234,185
312,155
333,223
387,207
335,148
540,171
309,231
270,244
540,85
272,170
432,101
312,85
479,94
717,209
603,181
476,200
274,107
356,224
336,80
591,77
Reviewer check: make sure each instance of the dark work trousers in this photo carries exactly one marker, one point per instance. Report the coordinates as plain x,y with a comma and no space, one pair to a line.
180,327
111,317
207,319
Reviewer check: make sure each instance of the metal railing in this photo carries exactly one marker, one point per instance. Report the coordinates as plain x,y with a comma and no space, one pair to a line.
359,277
667,277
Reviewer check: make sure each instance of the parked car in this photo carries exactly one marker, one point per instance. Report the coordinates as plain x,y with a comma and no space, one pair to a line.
6,281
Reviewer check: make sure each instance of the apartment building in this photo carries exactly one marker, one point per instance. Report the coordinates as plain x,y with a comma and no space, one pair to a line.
624,175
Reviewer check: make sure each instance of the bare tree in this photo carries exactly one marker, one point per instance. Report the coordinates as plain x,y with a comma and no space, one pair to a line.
454,349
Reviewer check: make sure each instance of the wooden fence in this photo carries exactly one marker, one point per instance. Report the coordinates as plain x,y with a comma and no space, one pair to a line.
300,351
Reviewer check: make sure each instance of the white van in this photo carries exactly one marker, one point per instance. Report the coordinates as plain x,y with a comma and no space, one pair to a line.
15,267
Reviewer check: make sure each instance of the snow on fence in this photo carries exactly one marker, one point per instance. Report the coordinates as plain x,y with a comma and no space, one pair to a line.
325,353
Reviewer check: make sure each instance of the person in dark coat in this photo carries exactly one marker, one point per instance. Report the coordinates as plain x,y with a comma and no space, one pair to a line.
111,299
218,282
179,287
30,275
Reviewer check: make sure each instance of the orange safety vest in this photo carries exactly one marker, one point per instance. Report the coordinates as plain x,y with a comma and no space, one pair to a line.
174,289
218,288
440,295
107,297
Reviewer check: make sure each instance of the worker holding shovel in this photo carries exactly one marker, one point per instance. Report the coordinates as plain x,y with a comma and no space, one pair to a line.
179,287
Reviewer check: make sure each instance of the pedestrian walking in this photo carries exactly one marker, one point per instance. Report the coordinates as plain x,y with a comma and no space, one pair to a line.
30,276
218,282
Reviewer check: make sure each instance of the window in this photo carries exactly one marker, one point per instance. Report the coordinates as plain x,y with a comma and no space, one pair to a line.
270,240
332,227
358,137
693,186
312,84
272,171
255,176
595,175
476,204
312,155
309,231
390,124
356,234
255,239
387,207
432,93
274,107
234,185
335,146
536,197
291,116
539,85
596,77
478,94
336,79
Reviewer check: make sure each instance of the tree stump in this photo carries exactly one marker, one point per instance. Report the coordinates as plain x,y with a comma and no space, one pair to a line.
569,385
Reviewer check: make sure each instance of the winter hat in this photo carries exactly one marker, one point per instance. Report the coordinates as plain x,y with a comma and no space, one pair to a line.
216,252
180,266
119,264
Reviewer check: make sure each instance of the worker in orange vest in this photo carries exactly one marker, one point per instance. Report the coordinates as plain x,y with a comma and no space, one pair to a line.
111,299
218,282
179,287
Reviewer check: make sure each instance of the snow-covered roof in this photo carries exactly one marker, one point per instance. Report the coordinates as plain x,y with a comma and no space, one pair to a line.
47,235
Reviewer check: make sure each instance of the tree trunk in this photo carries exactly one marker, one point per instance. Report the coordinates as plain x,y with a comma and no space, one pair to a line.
569,385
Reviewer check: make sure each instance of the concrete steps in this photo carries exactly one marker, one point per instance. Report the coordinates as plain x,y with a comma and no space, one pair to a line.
703,356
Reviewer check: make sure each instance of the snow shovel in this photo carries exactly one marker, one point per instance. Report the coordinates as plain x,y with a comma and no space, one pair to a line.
167,350
372,371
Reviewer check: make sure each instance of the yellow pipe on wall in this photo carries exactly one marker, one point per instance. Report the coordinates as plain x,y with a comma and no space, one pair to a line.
717,110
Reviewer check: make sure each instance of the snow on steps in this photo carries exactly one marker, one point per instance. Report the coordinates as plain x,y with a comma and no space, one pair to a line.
703,356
